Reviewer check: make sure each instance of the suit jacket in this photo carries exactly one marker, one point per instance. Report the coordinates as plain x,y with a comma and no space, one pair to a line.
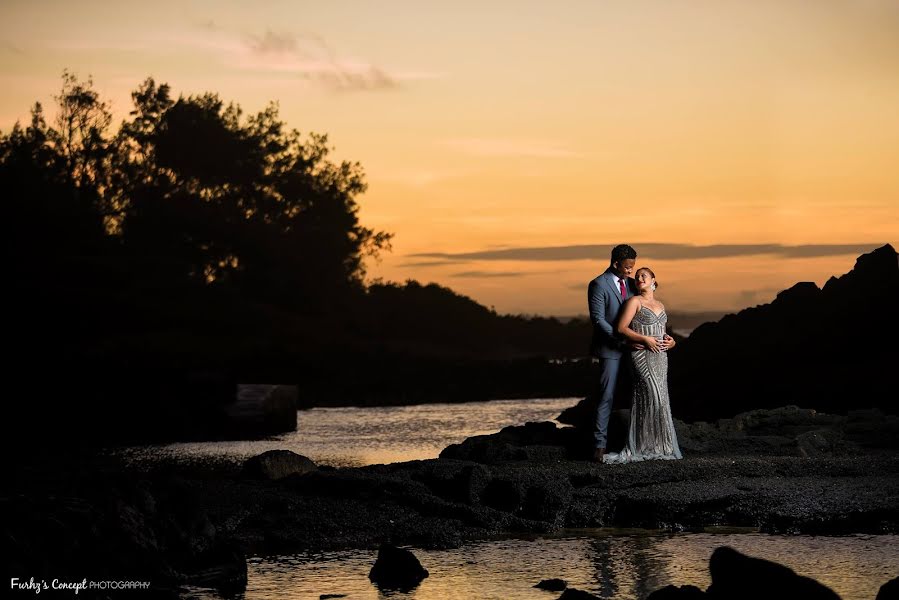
604,300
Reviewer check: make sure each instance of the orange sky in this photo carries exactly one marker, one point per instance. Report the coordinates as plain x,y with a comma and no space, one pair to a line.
534,125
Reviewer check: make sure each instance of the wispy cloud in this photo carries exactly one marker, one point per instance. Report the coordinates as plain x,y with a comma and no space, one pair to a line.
312,58
655,250
496,147
486,274
306,56
433,263
10,47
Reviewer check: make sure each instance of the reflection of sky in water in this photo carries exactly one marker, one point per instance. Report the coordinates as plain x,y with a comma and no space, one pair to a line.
626,567
351,436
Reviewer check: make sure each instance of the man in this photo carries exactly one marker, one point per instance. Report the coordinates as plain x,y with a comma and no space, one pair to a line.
605,295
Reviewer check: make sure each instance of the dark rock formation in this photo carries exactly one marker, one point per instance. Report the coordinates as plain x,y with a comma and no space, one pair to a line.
109,526
889,590
736,576
809,347
672,592
552,585
783,431
396,568
277,464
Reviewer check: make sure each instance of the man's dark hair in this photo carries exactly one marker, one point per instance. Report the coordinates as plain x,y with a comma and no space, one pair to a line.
622,252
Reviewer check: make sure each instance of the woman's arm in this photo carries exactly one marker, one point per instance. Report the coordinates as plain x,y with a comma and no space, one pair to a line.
631,305
667,341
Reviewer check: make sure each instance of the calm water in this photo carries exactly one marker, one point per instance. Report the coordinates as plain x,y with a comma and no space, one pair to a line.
621,566
364,436
611,564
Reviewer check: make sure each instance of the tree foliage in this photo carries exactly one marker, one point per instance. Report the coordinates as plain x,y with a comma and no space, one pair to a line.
194,191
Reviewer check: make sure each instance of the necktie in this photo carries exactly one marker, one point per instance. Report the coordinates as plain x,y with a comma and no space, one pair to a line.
623,290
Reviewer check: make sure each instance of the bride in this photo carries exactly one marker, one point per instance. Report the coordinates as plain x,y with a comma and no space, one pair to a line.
642,322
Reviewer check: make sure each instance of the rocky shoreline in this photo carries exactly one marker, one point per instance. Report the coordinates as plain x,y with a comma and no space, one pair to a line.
181,523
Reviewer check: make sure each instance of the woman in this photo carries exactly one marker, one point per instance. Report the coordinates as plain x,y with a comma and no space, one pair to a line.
642,322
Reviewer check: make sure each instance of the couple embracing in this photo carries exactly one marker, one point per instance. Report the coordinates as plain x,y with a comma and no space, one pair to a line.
629,333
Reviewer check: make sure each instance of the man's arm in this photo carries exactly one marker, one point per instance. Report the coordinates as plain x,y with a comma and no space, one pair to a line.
596,301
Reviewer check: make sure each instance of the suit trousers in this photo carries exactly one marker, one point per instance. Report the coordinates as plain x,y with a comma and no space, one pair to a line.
605,392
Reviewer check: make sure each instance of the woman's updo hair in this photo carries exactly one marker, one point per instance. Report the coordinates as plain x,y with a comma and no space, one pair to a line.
651,274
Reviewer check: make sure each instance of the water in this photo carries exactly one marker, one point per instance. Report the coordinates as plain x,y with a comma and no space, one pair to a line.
351,436
626,565
622,566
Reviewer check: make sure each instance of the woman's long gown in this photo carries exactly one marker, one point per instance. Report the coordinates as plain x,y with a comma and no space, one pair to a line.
651,435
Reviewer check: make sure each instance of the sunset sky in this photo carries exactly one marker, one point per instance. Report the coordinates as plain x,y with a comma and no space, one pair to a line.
509,145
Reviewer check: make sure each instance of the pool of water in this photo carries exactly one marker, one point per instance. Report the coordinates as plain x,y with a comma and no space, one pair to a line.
625,565
352,436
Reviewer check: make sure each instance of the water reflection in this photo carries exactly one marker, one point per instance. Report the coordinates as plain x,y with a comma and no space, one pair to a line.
609,564
353,436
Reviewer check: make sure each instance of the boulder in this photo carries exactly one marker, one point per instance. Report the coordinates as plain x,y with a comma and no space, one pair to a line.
552,585
889,590
396,568
736,576
277,464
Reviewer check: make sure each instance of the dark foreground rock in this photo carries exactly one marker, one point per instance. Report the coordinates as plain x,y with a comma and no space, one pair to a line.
183,524
552,585
397,568
736,576
277,464
784,431
739,577
59,522
889,590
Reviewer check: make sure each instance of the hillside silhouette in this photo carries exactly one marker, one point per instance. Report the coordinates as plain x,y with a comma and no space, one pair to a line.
826,348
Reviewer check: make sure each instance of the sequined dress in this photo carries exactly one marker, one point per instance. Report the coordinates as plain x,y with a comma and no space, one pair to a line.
651,435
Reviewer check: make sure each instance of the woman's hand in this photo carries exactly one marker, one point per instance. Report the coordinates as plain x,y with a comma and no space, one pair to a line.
668,343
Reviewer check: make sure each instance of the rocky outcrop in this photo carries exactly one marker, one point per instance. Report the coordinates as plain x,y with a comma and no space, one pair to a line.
809,346
782,431
109,526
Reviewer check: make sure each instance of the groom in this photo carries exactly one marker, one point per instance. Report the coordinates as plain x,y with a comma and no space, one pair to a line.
605,295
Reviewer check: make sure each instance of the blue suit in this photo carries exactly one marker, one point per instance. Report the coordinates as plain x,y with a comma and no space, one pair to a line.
604,299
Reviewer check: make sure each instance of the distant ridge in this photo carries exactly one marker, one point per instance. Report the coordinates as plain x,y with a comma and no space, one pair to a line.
829,348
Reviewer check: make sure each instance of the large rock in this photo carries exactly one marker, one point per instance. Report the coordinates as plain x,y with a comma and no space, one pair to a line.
736,576
118,528
684,592
889,590
278,464
799,349
396,568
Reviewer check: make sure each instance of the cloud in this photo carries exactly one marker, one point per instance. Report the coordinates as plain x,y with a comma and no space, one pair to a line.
10,47
433,263
272,42
493,147
656,251
311,57
485,274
